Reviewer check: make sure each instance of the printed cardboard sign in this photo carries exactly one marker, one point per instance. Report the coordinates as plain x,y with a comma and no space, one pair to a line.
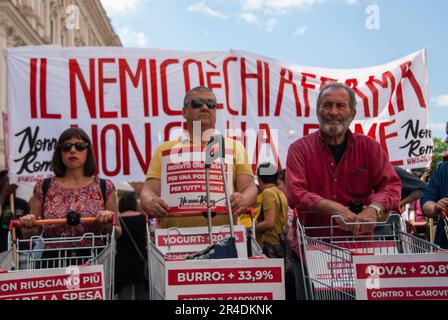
184,181
72,283
402,277
184,241
332,268
228,279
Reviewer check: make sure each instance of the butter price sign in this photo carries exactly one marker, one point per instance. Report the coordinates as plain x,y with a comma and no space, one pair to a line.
228,279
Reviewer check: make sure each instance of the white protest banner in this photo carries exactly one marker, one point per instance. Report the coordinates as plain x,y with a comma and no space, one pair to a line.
131,100
6,135
402,277
226,279
191,240
73,283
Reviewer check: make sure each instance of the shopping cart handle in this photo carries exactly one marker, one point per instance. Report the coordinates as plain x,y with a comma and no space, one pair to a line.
248,211
16,224
378,223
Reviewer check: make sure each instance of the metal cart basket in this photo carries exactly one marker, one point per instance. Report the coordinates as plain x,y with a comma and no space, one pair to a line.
327,261
59,256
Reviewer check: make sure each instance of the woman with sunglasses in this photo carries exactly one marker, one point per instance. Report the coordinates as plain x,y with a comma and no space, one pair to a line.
74,188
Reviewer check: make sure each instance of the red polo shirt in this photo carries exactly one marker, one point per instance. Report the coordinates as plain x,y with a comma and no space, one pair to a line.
364,173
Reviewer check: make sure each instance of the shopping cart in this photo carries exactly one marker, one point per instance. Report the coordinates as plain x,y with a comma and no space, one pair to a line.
58,254
215,271
327,261
173,277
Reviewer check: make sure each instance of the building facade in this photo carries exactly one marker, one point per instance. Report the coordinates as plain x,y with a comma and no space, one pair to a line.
69,23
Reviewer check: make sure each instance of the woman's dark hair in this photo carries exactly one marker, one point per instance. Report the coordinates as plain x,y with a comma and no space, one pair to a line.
57,163
267,173
128,202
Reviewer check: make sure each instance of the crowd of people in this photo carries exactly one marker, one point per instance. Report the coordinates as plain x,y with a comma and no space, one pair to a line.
326,173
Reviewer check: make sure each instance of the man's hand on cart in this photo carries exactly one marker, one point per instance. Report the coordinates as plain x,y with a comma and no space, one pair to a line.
157,207
368,216
441,207
347,217
239,203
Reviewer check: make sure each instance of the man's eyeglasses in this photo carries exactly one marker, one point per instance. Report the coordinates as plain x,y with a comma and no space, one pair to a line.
80,146
198,103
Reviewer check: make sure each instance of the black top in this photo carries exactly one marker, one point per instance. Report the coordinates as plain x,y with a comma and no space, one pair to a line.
338,150
137,227
22,208
129,266
410,183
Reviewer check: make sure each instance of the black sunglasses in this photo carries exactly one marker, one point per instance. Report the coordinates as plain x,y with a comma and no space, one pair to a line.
80,146
198,103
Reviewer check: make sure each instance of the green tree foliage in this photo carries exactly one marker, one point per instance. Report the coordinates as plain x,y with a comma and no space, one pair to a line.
439,148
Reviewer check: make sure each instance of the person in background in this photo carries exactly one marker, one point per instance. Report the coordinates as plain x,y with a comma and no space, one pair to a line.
21,208
412,189
282,186
271,226
426,175
131,258
419,225
272,219
290,283
435,200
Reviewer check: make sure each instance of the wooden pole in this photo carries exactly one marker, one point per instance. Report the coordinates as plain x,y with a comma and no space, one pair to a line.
13,232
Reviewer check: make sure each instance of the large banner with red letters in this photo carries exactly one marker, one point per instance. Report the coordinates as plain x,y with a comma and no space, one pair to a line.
130,100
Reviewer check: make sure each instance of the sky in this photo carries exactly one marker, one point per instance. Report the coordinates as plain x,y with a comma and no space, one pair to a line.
322,33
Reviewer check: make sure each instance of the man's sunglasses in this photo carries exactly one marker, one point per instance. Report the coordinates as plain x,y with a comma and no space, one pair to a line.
198,103
80,146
